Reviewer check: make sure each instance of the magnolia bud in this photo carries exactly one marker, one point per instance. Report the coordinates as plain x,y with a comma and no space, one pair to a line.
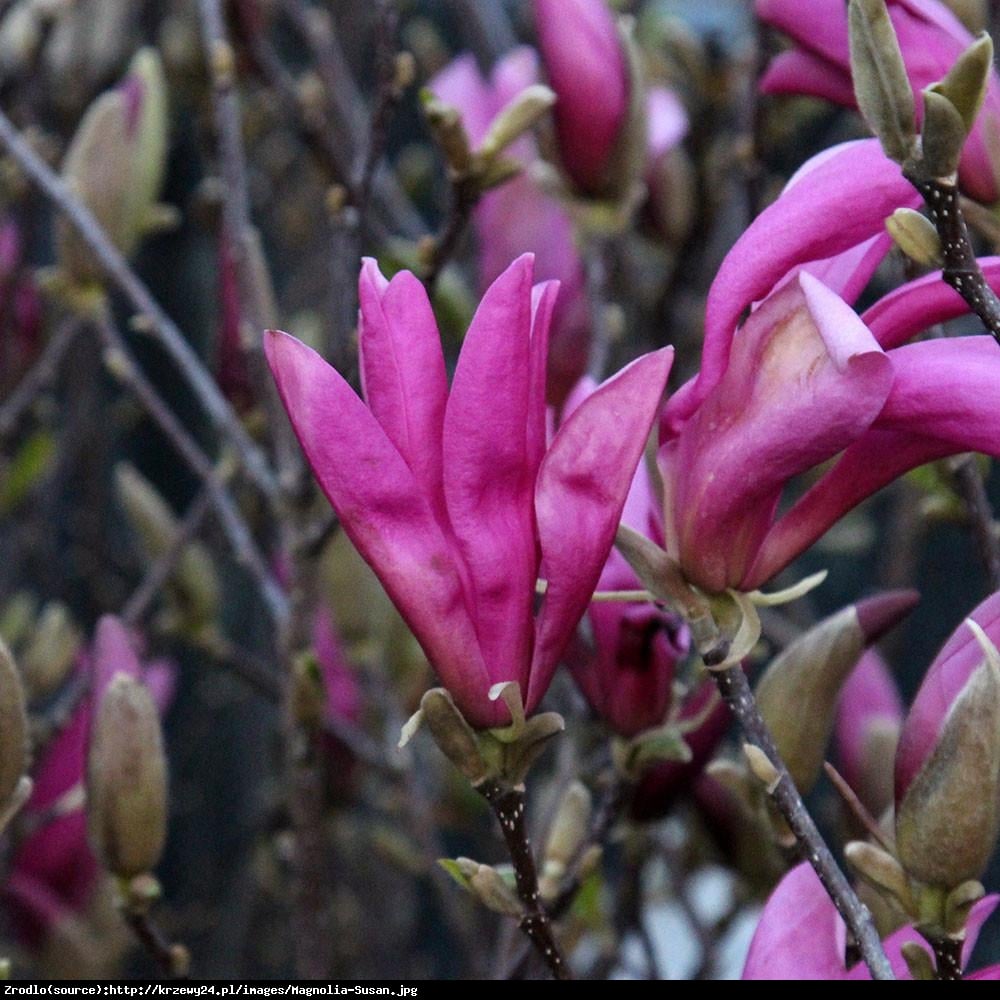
486,884
799,690
127,780
881,85
943,135
515,118
194,583
13,728
916,236
967,81
948,816
566,836
449,133
881,870
51,651
115,164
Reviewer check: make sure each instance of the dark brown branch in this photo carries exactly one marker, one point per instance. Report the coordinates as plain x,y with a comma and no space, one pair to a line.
961,270
735,690
947,957
464,197
158,324
508,807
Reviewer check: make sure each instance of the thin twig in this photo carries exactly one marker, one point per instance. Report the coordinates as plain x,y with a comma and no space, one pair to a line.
508,807
158,324
38,378
464,196
123,364
171,959
595,263
735,690
969,483
162,569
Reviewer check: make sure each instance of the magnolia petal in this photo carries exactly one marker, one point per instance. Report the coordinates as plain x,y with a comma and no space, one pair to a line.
582,485
842,202
941,403
921,304
797,72
384,513
112,654
488,479
796,937
402,372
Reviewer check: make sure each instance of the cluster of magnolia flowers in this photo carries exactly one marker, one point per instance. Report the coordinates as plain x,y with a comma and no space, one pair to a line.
489,508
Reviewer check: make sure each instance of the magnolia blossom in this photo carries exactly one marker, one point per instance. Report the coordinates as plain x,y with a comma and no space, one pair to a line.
453,497
587,68
54,872
805,379
801,936
930,38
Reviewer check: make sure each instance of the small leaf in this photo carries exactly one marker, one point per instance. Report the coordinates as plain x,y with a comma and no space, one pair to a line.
944,135
966,83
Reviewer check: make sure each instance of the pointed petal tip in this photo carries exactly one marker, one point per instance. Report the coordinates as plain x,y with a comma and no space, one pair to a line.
878,614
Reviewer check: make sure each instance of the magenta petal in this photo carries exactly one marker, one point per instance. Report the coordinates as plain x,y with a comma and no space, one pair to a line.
869,695
799,72
941,403
581,490
403,373
667,121
943,682
385,515
543,303
820,25
839,204
805,379
461,85
488,476
797,934
112,653
921,304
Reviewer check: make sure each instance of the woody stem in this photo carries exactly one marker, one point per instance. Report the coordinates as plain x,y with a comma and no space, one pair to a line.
508,807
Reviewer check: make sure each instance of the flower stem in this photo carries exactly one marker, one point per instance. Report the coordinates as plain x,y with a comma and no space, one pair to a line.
947,957
735,690
508,807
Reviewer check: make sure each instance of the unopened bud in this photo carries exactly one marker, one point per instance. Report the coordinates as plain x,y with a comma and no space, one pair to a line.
127,780
881,85
916,236
966,83
493,892
516,117
13,728
949,815
761,767
943,135
567,835
51,651
881,870
115,164
445,123
799,690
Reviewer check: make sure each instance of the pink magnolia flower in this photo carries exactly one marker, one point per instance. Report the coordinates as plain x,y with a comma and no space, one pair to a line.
453,497
869,718
518,217
930,37
54,872
805,379
801,936
586,67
